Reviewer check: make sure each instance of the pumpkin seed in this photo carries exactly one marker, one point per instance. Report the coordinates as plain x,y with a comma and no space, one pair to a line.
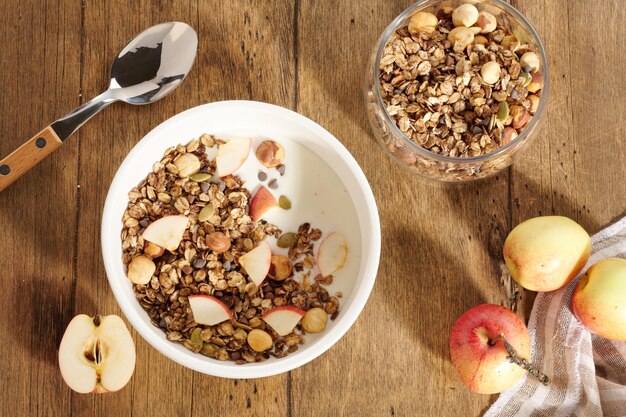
526,77
503,111
206,213
200,177
284,202
209,349
287,240
196,338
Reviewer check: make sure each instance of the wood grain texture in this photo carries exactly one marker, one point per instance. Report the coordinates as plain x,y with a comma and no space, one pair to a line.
441,244
29,154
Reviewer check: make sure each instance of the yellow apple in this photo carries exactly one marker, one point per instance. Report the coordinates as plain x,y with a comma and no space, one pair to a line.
599,300
545,253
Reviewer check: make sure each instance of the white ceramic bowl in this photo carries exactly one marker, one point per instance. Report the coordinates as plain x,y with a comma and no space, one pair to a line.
226,119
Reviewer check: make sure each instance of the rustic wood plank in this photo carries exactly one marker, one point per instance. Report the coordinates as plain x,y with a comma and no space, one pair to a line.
440,244
40,81
247,53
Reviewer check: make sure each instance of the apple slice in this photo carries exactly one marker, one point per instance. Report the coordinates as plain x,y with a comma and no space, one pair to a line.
167,232
231,155
97,354
208,310
262,201
332,254
257,262
283,319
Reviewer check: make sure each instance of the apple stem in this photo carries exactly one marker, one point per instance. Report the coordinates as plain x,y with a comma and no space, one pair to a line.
521,362
96,320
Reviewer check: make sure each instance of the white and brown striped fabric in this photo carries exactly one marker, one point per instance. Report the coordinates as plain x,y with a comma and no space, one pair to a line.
587,372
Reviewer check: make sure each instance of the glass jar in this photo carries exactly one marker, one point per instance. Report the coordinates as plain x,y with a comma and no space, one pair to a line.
422,161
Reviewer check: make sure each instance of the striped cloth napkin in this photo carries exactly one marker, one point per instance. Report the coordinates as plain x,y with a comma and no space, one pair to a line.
587,372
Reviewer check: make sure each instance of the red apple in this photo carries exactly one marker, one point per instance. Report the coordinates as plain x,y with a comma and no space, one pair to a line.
167,231
283,319
231,155
478,352
257,262
332,254
208,310
262,201
599,300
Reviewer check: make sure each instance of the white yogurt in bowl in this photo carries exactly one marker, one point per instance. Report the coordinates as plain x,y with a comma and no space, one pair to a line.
325,185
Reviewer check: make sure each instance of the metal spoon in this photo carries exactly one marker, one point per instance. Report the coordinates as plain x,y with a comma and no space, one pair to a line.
147,69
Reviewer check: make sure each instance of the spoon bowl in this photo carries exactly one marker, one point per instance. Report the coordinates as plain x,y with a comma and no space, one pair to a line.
150,67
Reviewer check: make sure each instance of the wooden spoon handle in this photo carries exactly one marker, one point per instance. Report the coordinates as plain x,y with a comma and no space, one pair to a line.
27,156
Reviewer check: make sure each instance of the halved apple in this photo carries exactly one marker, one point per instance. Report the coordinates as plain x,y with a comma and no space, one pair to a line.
332,254
283,319
231,155
262,201
208,310
97,354
257,262
167,232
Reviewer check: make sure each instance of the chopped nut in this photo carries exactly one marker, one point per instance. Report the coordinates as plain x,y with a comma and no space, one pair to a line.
218,242
259,340
422,22
314,320
461,35
140,270
534,103
153,250
520,116
508,135
270,153
187,164
281,268
536,83
481,40
465,15
530,62
490,72
486,22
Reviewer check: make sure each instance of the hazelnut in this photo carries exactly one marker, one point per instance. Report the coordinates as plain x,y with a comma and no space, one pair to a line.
218,242
465,15
486,22
536,82
530,62
259,340
462,35
140,269
187,164
534,103
153,250
314,320
270,154
508,135
422,22
281,268
490,72
520,116
481,40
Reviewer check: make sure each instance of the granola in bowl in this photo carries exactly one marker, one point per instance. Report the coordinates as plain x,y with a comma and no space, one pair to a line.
197,251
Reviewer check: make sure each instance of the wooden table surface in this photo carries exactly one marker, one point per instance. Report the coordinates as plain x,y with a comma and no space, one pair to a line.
441,244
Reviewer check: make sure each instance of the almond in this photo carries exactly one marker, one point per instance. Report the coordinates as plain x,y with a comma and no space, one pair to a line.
218,242
270,154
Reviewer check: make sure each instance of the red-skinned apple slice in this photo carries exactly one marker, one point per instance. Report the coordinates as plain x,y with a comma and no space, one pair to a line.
283,319
262,201
167,232
257,262
231,155
208,310
97,354
332,254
